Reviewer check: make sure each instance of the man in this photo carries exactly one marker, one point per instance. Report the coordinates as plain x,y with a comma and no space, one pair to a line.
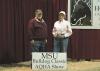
38,32
61,31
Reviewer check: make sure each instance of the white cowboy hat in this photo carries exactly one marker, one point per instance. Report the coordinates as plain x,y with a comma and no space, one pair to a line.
62,12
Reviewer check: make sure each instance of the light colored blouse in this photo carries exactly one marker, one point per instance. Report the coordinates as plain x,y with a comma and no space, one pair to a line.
62,28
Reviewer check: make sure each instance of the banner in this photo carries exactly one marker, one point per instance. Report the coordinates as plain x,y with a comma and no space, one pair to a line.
49,61
84,14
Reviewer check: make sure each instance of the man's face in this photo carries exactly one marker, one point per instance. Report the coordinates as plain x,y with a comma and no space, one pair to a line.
61,16
39,15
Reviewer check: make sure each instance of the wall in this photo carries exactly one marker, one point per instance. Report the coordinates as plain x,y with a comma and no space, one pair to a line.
14,43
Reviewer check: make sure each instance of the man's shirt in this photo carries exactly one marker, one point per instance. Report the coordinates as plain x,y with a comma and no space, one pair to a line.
37,30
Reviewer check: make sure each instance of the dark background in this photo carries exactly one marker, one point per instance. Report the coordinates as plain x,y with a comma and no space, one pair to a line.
14,43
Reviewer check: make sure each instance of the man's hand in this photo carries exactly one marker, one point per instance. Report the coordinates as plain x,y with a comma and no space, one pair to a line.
55,35
46,41
32,41
60,35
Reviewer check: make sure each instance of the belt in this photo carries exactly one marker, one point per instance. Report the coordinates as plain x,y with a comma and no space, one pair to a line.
39,39
60,37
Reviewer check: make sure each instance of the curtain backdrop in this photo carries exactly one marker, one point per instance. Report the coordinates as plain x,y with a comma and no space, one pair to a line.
14,43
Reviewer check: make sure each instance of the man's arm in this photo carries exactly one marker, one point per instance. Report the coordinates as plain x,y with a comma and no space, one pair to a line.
31,29
68,31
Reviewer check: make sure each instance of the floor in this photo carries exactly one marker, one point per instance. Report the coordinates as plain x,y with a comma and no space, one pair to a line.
72,66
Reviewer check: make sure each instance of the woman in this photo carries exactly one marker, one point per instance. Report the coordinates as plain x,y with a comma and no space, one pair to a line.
61,32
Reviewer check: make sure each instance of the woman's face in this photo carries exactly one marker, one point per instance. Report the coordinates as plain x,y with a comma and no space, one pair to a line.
61,16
